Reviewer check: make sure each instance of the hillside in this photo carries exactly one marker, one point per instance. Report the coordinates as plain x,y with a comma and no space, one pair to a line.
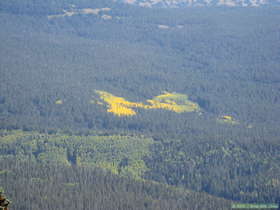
186,97
36,186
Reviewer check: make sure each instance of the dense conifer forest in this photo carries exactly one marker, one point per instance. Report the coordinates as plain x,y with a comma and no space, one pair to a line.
37,186
110,106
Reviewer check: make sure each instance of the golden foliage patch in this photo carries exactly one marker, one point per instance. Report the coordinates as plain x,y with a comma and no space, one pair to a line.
227,119
169,101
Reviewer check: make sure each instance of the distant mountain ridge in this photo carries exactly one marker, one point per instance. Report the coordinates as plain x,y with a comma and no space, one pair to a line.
200,3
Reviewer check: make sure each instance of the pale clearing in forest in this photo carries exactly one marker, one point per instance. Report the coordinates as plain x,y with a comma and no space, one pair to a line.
85,11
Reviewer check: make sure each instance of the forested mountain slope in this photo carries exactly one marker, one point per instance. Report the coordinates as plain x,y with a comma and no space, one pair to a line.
36,186
57,56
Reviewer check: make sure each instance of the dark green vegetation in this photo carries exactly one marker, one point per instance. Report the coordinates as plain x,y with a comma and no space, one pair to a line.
36,186
226,60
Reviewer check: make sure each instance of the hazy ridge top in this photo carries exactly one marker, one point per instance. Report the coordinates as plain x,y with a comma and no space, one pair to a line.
200,3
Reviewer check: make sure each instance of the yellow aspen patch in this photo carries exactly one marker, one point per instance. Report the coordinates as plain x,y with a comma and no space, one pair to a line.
59,101
227,119
169,101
